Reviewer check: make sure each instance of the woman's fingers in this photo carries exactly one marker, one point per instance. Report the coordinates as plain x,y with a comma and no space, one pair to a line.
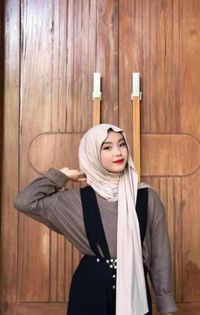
75,175
82,177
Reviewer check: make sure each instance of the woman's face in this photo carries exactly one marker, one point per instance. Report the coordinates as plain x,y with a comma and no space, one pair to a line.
114,152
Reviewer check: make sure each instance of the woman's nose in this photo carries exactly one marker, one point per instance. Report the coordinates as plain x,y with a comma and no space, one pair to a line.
117,151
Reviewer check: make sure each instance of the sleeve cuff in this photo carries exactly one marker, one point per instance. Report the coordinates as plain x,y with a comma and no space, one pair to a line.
165,304
57,177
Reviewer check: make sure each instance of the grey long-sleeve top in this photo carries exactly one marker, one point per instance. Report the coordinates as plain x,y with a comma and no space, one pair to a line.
61,210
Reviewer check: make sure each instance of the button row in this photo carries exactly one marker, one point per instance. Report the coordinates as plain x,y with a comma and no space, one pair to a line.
112,262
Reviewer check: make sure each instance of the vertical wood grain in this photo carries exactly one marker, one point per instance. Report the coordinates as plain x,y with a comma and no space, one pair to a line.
63,34
107,58
9,189
59,65
35,117
80,63
191,239
190,121
161,66
190,64
48,89
178,238
1,82
126,64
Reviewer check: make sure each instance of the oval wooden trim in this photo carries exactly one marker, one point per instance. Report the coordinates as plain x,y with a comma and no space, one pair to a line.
162,154
166,155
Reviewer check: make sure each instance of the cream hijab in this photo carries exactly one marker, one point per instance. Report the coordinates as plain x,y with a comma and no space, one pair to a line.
131,298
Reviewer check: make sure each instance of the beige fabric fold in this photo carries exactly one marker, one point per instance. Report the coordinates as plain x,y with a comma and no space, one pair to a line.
131,298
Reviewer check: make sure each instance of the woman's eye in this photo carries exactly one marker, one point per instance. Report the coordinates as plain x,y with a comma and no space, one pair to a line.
107,148
122,144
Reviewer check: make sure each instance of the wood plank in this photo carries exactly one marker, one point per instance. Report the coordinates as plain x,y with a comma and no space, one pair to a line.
62,46
65,62
88,61
2,9
60,66
60,309
70,62
161,101
40,308
80,64
167,155
190,74
107,58
54,150
153,66
77,64
126,65
178,239
176,66
169,149
35,118
191,238
189,123
145,73
10,150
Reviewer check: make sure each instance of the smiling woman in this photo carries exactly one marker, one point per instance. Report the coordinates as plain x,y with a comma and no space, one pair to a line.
114,152
117,223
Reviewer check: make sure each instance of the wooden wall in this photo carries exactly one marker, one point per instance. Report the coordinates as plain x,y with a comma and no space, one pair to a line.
52,49
1,79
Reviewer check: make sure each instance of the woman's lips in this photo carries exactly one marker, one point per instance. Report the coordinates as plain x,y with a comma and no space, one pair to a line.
119,161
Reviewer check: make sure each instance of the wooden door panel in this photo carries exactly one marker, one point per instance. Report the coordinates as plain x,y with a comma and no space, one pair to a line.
55,98
191,239
107,57
190,122
165,51
35,112
54,150
48,106
60,49
161,152
8,263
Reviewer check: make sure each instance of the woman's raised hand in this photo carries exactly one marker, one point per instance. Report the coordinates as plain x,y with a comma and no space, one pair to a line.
74,175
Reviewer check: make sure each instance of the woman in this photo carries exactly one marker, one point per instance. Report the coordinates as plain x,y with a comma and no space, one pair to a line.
117,223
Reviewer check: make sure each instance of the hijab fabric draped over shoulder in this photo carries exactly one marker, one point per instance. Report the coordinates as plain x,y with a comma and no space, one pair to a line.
131,298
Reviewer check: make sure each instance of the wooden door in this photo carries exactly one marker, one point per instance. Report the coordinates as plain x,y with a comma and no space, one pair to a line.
52,49
160,39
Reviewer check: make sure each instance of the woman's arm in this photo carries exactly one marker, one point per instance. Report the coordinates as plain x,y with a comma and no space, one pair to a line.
42,198
160,259
74,175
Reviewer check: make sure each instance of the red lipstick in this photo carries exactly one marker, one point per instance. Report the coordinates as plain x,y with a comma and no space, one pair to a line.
119,161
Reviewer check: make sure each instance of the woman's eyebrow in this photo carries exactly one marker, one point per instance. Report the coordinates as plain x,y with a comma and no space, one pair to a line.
106,142
109,142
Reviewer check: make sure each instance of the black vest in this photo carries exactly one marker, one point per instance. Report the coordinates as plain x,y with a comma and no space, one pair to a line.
93,223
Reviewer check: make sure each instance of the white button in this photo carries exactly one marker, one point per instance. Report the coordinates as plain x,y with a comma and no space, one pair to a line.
98,260
113,286
113,276
107,261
